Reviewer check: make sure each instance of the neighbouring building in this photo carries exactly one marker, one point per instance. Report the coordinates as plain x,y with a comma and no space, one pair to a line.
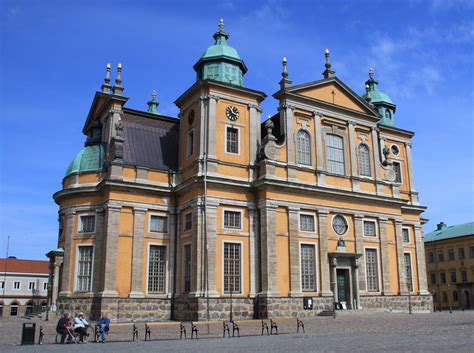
23,286
450,265
164,217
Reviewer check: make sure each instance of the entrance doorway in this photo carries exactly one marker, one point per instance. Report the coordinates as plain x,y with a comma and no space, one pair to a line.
343,287
467,300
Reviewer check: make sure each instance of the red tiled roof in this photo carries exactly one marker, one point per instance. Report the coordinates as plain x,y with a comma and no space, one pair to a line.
24,266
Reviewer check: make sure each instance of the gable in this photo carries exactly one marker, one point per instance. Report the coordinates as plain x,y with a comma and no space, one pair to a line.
334,92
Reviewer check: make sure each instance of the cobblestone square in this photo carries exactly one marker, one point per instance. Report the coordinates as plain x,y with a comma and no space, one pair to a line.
350,331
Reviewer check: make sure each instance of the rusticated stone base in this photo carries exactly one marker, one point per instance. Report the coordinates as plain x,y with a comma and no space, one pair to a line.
191,309
291,307
397,302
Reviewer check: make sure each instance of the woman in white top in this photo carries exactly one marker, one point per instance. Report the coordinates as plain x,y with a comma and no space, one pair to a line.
80,326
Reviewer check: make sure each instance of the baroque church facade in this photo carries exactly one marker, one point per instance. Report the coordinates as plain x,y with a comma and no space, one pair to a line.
217,212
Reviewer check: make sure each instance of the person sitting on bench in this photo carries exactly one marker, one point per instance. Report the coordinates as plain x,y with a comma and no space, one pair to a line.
104,323
80,326
64,327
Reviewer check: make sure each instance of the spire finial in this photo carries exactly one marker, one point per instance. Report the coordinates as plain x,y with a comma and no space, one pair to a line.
328,72
221,25
371,73
284,82
118,89
106,87
153,104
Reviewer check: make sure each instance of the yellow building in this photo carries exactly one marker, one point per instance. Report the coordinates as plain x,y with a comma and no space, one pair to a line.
450,265
177,218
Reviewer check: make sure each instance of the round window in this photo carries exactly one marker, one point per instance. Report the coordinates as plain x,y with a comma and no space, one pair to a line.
339,224
395,150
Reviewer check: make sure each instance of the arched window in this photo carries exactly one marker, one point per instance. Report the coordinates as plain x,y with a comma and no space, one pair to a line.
388,115
335,154
364,160
303,148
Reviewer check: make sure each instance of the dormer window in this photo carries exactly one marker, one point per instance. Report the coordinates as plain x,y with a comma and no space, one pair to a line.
388,115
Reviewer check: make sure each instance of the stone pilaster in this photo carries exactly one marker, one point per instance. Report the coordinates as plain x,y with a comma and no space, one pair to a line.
196,253
286,121
411,176
203,118
138,253
420,260
357,263
69,232
386,288
268,250
295,277
353,157
55,285
112,218
211,126
323,253
253,244
172,253
99,251
377,166
211,224
254,113
402,278
318,133
358,232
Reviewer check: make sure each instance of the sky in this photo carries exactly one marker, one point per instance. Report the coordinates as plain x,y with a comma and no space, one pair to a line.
53,56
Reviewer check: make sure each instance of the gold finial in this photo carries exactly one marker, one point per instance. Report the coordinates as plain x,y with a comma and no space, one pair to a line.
285,71
221,25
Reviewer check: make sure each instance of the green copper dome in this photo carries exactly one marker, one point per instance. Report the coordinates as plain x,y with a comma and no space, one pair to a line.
90,159
380,100
221,62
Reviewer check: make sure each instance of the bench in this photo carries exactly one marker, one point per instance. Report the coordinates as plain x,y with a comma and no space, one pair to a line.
237,325
149,325
275,321
114,326
57,336
195,324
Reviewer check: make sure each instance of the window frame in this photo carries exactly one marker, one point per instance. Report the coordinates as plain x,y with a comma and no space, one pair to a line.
30,283
45,285
409,235
224,210
189,146
451,252
369,161
453,272
159,214
464,278
79,225
310,156
379,283
311,214
185,268
442,277
2,284
166,270
440,251
76,268
185,224
332,224
316,268
228,126
399,163
372,220
19,285
344,157
462,251
412,282
241,284
15,305
431,257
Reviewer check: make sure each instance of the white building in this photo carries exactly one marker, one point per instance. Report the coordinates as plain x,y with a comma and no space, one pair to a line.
23,286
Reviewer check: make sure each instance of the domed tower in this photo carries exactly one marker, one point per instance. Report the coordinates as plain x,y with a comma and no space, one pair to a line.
221,62
380,100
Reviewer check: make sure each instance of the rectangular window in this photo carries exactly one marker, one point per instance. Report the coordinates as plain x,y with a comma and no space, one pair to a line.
187,268
451,254
370,229
440,255
308,268
84,268
232,140
430,257
461,253
335,154
464,276
471,250
45,286
232,276
406,235
190,144
307,223
2,284
372,270
433,278
156,269
453,276
158,224
14,310
442,277
408,271
87,223
398,172
232,219
188,221
31,285
16,285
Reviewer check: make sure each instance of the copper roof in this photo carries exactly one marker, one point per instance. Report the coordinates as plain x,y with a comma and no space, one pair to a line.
24,266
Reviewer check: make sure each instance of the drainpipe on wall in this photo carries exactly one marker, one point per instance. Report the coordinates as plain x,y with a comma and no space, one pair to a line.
175,262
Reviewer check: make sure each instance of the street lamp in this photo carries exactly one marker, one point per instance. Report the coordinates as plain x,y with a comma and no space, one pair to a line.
449,299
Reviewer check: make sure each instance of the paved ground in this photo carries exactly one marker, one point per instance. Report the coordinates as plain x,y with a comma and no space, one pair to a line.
350,331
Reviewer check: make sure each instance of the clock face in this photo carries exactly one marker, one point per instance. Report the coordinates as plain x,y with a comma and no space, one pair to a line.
232,113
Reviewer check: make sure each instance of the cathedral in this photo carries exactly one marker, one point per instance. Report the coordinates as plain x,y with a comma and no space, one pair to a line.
219,213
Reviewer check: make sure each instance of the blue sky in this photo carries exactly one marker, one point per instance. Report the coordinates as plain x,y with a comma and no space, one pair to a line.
53,55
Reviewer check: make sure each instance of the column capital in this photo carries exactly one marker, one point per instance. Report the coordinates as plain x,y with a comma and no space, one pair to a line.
358,217
408,144
323,213
352,122
287,106
317,113
214,96
398,221
255,106
382,219
293,209
139,210
70,212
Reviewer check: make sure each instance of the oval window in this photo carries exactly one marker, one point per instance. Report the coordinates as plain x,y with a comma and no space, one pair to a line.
339,224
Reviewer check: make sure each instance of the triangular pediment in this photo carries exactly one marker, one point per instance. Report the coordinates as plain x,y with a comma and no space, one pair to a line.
334,91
